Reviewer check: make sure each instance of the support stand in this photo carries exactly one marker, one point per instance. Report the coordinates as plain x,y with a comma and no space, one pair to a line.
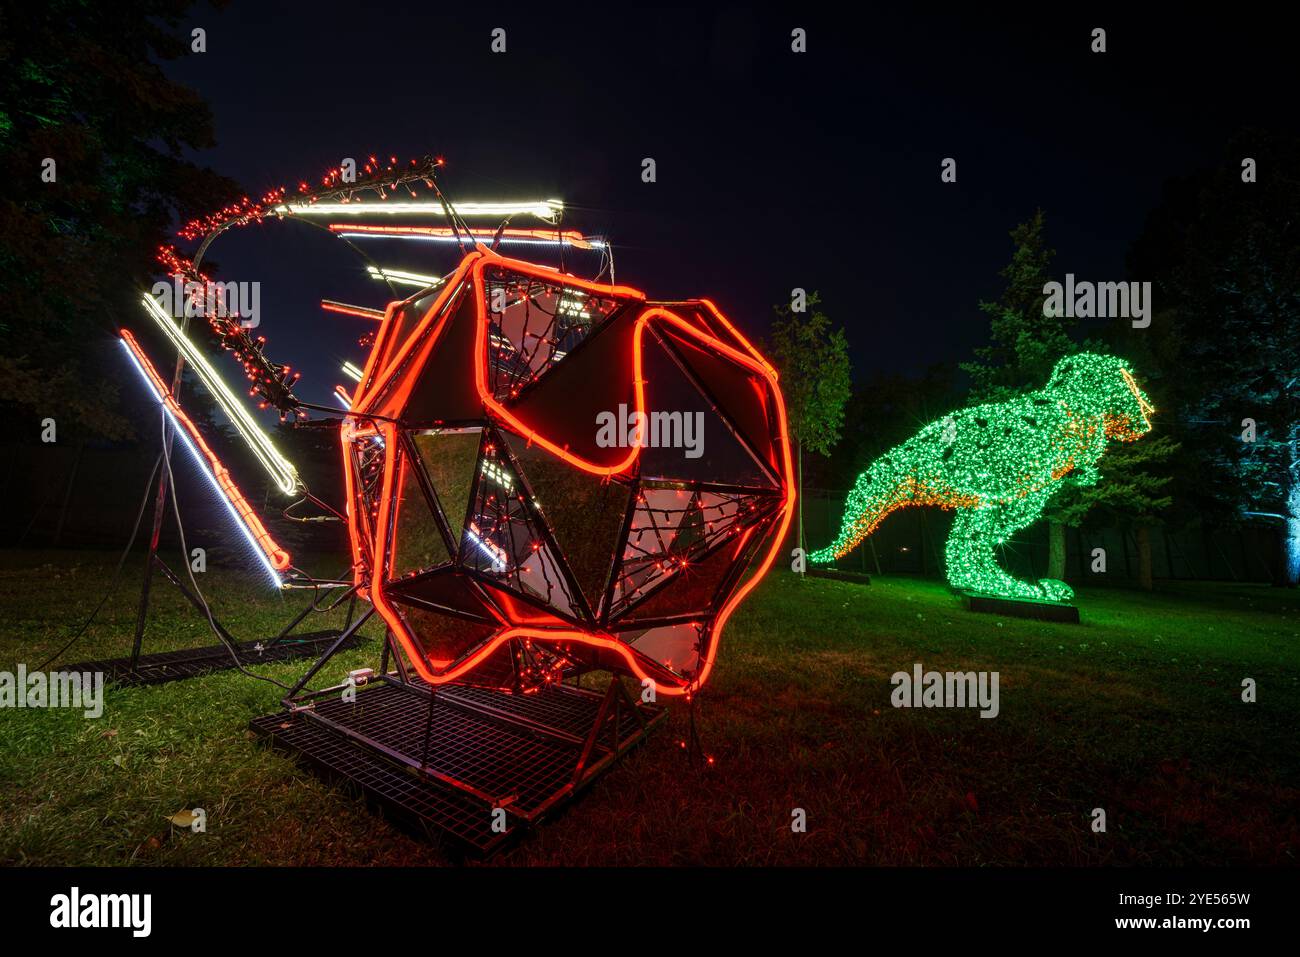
142,669
161,667
839,575
464,765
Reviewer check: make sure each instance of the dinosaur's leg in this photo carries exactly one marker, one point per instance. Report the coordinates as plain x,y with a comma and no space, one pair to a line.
1021,514
972,545
972,562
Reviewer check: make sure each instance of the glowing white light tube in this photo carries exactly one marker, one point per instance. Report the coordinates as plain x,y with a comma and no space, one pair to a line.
280,469
547,210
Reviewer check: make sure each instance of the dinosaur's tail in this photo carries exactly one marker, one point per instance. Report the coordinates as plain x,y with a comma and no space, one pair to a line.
879,490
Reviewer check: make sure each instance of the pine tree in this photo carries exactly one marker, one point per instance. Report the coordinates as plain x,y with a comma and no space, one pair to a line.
1025,345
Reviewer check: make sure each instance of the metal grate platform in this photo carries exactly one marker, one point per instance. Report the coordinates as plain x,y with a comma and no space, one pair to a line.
415,803
568,714
161,667
444,762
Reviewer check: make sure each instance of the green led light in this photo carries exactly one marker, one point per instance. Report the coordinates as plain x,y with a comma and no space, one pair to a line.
998,465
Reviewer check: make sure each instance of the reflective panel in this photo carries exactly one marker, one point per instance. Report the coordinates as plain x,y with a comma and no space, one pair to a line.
584,512
418,542
449,459
504,542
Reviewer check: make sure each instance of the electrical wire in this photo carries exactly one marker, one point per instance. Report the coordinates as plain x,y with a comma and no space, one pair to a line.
189,570
117,573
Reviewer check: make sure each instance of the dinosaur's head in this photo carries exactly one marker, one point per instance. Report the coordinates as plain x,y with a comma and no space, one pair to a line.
1092,384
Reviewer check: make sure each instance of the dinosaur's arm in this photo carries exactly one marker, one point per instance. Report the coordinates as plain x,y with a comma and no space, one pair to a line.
1092,445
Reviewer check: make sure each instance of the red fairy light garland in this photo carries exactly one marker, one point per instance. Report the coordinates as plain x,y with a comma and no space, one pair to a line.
272,382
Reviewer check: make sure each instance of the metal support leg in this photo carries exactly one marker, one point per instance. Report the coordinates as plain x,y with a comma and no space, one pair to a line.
350,594
610,707
193,600
287,701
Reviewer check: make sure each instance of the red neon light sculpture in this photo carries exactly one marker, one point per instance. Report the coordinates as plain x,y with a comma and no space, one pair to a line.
500,540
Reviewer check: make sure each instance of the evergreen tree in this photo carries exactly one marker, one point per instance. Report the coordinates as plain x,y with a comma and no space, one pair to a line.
1025,345
1224,252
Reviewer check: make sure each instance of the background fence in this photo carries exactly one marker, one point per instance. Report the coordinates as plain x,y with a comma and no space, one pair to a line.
911,541
87,496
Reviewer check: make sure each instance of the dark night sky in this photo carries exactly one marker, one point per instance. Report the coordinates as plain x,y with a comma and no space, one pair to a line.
775,170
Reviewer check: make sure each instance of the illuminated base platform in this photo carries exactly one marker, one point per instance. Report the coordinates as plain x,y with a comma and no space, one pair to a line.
1022,608
441,765
164,666
839,575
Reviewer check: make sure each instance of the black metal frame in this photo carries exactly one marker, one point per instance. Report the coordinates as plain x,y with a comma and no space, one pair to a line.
445,760
160,667
164,666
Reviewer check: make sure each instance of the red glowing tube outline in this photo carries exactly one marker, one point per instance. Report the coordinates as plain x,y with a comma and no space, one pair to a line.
276,555
343,308
474,263
371,373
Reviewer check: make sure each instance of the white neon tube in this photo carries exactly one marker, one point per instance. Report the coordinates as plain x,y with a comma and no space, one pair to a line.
206,469
280,469
547,210
405,278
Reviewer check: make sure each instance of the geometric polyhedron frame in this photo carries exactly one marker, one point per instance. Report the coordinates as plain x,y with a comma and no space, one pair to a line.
503,543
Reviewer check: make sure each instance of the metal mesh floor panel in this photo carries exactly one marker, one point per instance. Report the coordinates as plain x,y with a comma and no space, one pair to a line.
480,750
570,712
412,801
164,666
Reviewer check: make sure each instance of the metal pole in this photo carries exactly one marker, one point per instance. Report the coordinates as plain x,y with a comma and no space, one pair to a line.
160,502
287,701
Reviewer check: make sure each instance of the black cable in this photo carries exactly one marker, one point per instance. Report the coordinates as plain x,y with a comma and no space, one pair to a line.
189,570
117,573
496,239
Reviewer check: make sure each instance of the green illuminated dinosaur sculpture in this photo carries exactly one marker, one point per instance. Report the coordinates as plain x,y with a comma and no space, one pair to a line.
998,465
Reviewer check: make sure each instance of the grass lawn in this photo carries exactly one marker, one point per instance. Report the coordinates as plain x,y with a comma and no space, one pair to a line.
1137,711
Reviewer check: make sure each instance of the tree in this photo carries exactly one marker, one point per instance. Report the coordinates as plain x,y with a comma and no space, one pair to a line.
1133,491
813,361
80,86
1025,345
1223,250
886,409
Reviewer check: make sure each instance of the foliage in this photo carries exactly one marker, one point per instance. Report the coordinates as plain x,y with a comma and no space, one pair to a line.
813,360
1025,344
1224,256
80,84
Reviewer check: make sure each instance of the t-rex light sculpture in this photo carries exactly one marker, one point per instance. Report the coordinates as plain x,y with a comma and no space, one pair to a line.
998,465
